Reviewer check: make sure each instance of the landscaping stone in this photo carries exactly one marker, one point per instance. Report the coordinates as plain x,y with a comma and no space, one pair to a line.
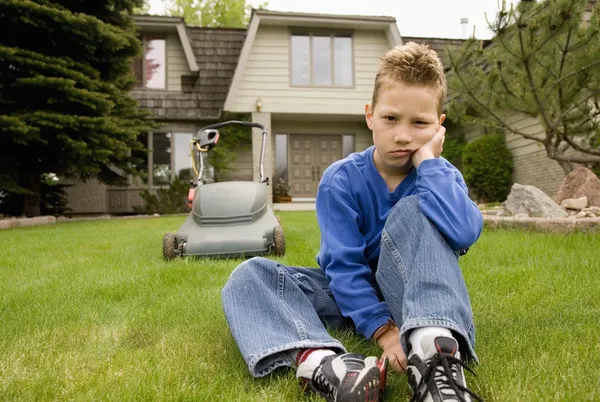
574,203
530,200
581,182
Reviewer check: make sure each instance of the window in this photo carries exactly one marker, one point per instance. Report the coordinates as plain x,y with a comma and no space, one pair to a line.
161,159
321,60
182,164
281,153
151,68
167,156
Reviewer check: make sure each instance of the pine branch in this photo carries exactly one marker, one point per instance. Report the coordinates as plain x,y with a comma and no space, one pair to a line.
485,107
533,87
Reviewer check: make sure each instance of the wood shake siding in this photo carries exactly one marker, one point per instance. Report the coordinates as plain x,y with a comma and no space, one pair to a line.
267,76
201,96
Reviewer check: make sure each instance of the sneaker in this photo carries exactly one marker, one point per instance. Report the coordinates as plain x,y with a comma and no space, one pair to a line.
439,378
347,377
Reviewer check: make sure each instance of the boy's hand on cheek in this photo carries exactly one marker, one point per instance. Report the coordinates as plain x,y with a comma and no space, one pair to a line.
431,149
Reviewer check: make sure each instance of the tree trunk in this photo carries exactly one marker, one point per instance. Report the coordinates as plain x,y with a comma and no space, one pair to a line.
31,201
567,166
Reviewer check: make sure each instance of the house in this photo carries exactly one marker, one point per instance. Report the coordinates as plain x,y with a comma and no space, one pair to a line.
182,80
305,77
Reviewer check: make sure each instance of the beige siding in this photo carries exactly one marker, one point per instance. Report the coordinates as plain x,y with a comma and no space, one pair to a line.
536,169
267,75
177,64
241,165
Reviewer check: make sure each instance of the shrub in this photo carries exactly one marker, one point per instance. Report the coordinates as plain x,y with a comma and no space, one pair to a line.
488,167
169,200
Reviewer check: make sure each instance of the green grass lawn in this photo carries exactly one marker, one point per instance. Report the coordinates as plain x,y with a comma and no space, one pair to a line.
90,311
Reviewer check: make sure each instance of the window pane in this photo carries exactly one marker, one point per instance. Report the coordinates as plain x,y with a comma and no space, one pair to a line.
299,54
347,145
183,156
155,64
161,169
342,52
321,60
281,165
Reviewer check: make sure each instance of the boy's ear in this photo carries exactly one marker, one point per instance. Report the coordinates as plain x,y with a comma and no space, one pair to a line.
369,116
442,119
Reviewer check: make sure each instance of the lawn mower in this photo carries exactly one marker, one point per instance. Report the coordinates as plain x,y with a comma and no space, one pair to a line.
228,219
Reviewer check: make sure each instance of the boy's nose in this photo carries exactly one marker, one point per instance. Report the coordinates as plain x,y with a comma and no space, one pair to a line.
402,136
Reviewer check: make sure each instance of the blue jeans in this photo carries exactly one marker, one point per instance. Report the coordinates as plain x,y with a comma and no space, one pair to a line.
272,309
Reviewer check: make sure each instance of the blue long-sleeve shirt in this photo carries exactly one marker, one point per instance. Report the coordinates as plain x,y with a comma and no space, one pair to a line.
353,202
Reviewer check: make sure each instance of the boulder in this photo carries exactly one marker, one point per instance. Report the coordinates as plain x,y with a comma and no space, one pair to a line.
533,202
574,203
581,182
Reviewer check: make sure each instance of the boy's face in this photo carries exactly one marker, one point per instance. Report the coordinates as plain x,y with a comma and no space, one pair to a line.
404,118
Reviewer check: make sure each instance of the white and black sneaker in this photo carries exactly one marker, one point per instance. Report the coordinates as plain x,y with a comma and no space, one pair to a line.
347,377
435,371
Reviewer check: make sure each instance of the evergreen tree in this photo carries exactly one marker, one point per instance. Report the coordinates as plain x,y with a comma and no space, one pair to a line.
544,62
65,107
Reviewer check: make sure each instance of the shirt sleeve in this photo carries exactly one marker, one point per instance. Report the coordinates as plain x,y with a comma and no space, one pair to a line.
342,258
444,199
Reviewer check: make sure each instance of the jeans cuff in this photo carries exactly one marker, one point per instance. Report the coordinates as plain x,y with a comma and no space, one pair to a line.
262,364
468,338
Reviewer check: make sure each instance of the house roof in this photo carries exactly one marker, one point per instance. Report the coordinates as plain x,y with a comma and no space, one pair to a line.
215,53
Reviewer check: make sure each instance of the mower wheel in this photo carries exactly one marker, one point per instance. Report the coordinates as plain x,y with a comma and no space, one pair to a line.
169,246
278,241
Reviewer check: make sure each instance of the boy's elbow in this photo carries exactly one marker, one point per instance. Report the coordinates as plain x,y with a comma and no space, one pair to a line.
466,236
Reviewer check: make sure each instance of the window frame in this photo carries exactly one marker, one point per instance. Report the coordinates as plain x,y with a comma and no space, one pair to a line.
144,39
331,33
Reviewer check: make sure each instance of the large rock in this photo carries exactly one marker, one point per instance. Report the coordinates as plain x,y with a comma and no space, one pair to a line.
533,202
581,182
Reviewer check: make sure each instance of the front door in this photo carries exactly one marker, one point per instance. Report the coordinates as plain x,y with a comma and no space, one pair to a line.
310,155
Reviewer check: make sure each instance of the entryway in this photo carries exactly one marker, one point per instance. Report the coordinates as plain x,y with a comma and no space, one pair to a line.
309,156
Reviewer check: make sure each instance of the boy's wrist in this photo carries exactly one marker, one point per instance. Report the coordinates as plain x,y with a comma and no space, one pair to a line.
420,156
382,330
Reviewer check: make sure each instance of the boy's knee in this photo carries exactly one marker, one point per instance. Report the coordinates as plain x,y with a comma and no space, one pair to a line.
246,273
407,209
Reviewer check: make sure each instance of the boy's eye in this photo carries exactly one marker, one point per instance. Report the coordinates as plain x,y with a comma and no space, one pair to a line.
420,122
390,118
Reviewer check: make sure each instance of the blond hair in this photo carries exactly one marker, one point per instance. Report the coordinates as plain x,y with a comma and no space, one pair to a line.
412,64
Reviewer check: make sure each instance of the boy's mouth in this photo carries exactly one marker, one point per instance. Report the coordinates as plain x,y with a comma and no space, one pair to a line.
398,153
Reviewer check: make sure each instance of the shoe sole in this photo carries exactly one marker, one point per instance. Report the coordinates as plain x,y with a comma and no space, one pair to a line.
382,364
367,390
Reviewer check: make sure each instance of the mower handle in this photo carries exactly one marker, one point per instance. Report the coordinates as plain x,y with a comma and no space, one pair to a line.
261,170
236,122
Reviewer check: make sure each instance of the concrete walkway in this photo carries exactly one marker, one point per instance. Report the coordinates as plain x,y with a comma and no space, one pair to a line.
294,206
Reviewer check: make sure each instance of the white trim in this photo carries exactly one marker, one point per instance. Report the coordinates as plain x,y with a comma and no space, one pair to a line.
187,47
241,65
393,35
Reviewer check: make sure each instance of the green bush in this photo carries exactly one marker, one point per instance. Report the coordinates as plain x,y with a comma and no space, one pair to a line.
169,200
488,167
453,150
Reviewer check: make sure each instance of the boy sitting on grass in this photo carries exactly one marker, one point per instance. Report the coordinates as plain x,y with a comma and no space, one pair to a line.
393,220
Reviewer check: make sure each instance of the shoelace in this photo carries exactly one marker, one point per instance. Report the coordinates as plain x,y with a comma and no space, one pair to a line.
323,384
445,377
